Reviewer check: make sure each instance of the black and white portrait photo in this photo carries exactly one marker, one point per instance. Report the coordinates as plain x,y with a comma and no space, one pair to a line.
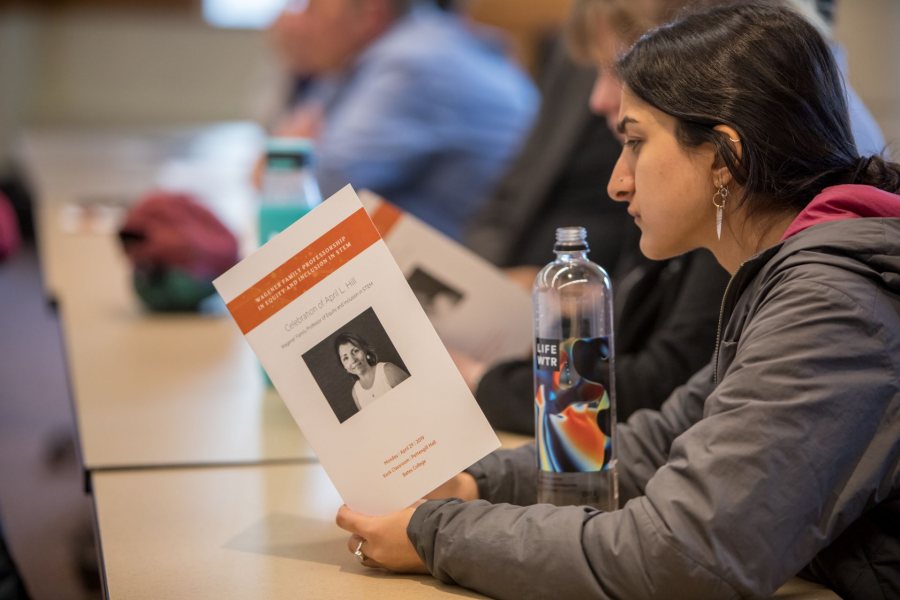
356,365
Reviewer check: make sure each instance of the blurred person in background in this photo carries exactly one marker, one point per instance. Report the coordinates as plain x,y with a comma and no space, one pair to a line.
866,132
11,585
405,99
665,311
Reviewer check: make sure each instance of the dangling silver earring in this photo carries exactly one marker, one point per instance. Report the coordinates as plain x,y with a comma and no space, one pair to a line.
719,199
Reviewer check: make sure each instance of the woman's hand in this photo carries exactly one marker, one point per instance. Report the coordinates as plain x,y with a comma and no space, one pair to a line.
460,486
522,276
384,540
470,368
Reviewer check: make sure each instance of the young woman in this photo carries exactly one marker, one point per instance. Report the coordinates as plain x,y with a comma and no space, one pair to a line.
782,456
666,311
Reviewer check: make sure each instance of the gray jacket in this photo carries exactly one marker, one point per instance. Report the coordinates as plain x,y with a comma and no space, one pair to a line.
749,471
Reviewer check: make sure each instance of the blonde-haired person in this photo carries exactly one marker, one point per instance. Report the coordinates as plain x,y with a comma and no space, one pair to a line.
599,30
782,456
665,312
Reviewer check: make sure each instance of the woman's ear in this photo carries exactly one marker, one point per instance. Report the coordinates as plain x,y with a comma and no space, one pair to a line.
733,138
721,174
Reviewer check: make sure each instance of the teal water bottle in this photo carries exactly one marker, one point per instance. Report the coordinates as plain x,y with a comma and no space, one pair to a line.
289,187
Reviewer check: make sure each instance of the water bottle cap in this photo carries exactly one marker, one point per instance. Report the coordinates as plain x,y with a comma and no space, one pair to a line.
298,145
571,238
289,152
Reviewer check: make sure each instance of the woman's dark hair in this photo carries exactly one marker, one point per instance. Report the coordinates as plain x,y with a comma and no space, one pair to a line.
764,71
355,340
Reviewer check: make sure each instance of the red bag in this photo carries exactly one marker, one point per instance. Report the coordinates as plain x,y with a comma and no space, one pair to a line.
9,229
171,230
177,247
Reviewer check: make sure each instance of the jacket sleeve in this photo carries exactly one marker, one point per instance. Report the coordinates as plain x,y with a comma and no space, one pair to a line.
643,445
792,448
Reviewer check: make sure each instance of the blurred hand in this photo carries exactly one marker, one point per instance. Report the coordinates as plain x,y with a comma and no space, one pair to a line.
522,276
384,540
471,369
256,176
460,486
303,122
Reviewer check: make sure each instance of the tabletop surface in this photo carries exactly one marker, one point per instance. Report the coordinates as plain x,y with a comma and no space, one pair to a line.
236,532
249,532
150,390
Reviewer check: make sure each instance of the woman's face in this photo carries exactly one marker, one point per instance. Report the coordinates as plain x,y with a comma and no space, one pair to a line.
668,189
353,358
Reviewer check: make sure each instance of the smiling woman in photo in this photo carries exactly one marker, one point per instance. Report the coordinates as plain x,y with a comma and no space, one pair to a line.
373,378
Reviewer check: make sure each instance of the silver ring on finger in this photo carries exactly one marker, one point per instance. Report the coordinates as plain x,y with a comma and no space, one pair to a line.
359,554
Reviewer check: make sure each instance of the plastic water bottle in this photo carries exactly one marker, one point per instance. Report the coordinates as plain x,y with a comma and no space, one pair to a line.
575,405
289,186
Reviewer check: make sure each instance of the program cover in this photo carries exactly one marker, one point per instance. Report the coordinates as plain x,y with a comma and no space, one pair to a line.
353,355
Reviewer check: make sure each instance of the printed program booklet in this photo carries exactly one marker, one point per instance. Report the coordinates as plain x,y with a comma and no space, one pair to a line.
474,307
355,359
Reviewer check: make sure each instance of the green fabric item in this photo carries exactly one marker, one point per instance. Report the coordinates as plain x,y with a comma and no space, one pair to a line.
171,290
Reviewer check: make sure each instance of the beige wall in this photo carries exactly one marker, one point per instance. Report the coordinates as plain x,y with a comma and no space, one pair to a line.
100,67
18,70
93,67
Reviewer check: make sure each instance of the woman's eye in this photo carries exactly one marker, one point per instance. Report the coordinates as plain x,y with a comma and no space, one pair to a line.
633,144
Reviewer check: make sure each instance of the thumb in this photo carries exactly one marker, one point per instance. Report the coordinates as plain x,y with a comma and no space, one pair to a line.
350,520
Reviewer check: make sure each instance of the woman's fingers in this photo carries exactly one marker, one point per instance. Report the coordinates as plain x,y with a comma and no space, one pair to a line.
353,543
350,520
381,541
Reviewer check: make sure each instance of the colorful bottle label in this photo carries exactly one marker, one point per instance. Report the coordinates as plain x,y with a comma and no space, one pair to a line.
572,406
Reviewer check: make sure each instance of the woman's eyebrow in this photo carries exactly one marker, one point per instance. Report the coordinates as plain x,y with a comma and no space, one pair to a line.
624,122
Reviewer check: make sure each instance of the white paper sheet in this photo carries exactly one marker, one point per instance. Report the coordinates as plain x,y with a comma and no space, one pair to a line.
331,274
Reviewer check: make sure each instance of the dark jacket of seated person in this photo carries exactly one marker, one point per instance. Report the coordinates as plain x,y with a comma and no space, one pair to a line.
665,317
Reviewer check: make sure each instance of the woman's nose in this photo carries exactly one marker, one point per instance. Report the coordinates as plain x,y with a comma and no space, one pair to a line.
621,183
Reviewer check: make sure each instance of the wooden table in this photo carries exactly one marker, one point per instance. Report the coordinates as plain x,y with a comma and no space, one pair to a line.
102,172
150,390
263,532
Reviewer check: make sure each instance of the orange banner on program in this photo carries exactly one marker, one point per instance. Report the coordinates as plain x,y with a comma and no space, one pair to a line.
302,271
385,217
